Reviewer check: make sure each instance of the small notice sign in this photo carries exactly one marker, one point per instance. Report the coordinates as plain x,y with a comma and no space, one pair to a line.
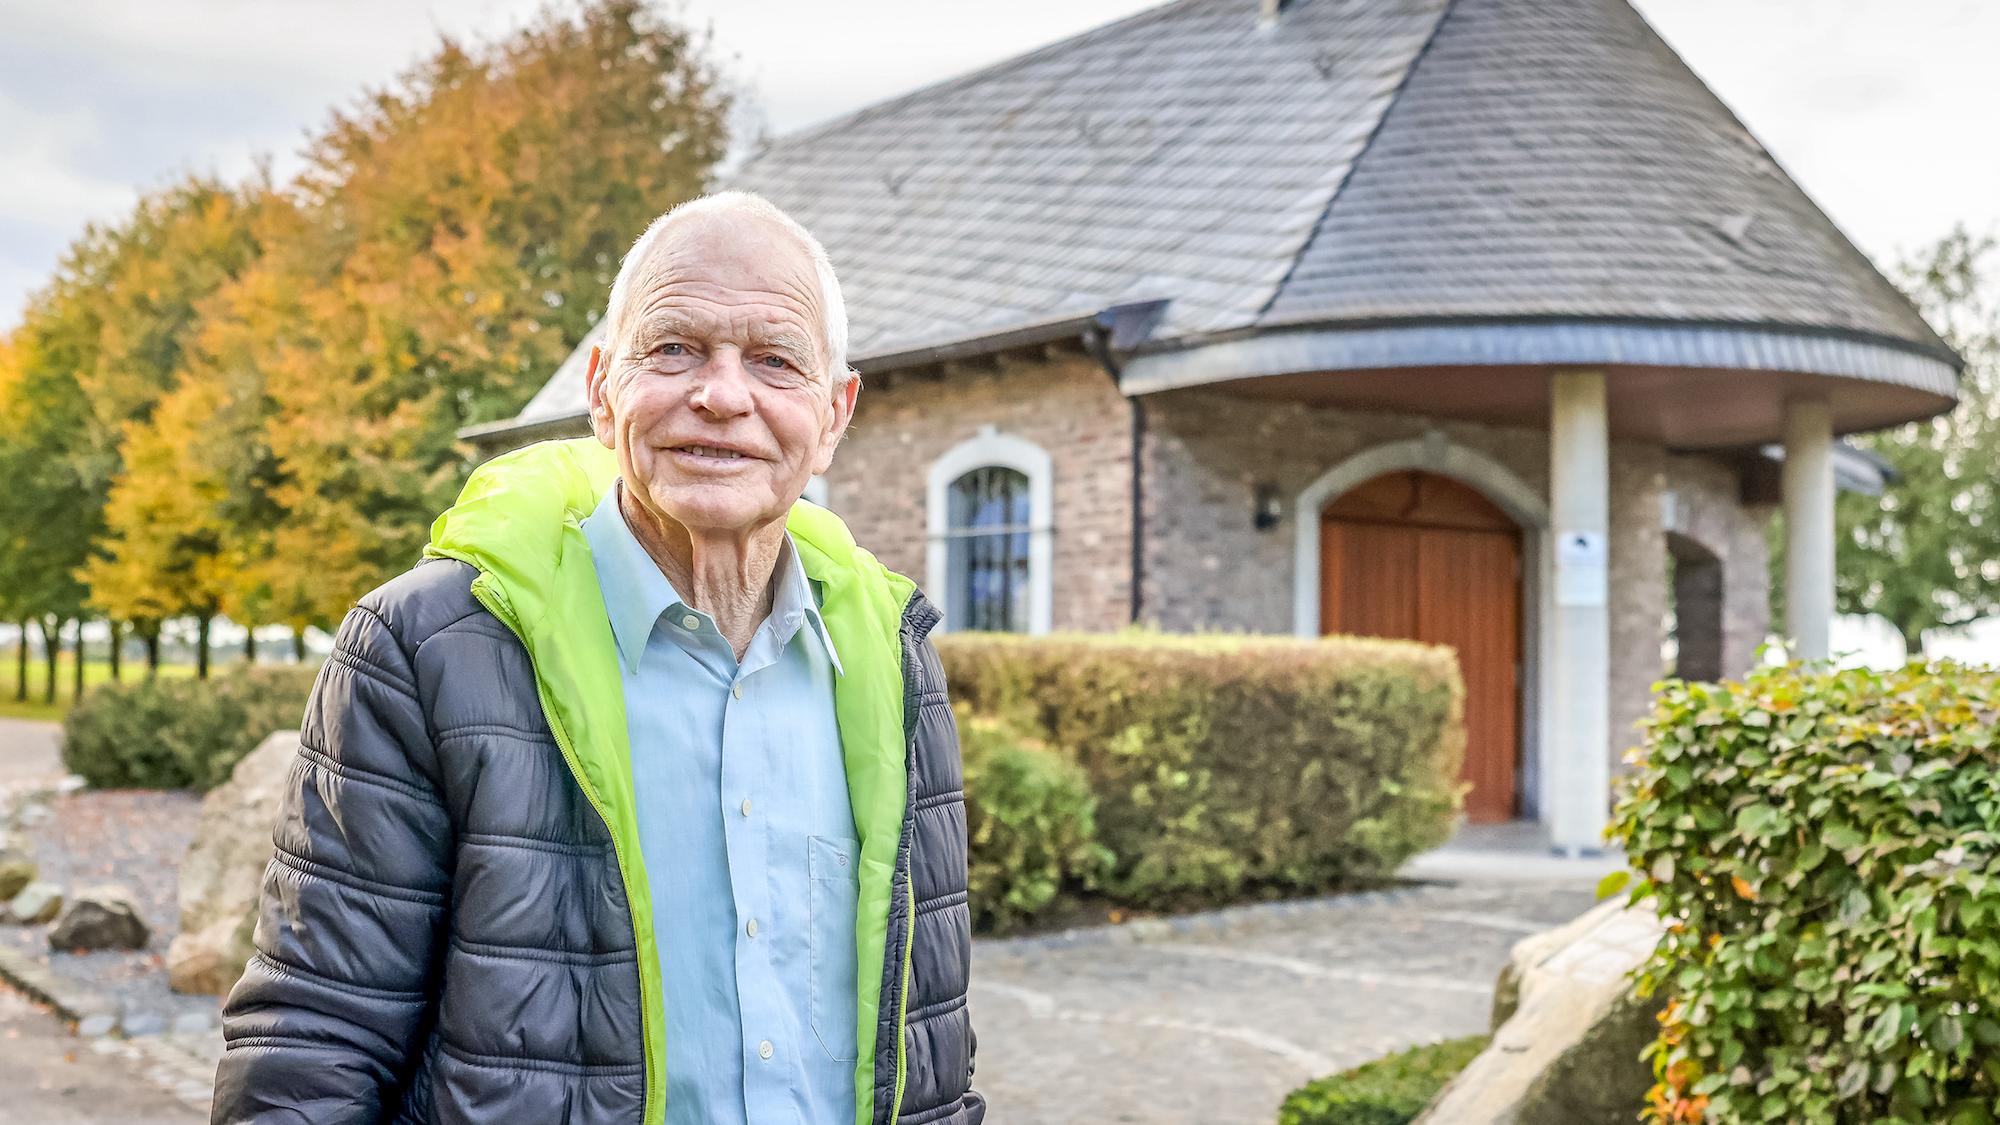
1583,565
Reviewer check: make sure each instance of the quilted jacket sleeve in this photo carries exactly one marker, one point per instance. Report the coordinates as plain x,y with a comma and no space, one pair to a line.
329,1014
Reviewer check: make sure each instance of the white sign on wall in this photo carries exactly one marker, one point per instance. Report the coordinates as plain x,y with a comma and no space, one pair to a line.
1583,565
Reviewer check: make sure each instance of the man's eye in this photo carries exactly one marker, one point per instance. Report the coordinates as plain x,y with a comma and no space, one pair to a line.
669,349
775,361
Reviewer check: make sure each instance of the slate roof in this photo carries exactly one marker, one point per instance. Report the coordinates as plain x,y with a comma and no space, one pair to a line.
1355,161
1556,158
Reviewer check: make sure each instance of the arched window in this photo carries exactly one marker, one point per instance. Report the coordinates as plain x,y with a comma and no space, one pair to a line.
986,551
988,564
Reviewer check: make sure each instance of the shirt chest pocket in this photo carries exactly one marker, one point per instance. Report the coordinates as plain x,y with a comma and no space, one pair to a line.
831,863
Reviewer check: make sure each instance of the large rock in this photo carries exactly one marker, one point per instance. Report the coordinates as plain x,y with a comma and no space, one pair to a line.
224,869
1568,1032
99,918
37,903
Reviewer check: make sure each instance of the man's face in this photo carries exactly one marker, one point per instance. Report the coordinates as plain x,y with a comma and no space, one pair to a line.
718,398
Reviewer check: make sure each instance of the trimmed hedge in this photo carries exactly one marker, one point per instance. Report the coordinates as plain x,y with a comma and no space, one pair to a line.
1032,824
1826,845
180,733
1392,1090
1227,767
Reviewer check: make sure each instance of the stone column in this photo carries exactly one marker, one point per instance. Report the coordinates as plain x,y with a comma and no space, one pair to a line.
1576,773
1809,531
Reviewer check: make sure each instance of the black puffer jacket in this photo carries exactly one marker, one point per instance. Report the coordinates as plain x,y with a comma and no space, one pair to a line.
444,934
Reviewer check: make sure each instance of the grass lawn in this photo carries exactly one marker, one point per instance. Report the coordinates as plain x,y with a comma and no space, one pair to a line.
95,672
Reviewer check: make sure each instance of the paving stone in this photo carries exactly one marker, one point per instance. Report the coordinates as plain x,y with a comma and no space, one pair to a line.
1211,1020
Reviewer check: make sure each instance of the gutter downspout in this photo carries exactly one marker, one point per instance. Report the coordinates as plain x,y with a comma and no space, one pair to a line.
1097,341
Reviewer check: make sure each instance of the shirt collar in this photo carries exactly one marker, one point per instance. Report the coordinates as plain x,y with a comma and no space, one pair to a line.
636,593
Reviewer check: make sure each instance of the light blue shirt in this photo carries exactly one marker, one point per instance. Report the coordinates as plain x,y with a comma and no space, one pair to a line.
748,839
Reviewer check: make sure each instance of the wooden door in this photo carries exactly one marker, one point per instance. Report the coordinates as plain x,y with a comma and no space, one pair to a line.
1422,557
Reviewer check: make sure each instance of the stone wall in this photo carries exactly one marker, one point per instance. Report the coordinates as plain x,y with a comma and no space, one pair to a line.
1066,404
1707,508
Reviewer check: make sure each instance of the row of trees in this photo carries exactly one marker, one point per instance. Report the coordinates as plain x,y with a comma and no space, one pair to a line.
240,399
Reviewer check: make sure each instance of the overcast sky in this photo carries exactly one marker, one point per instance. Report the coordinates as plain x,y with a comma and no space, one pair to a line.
1881,108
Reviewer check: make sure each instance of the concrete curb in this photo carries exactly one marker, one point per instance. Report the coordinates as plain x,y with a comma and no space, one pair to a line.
77,1003
1219,921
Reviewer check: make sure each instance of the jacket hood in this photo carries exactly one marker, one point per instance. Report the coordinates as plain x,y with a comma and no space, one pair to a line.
511,520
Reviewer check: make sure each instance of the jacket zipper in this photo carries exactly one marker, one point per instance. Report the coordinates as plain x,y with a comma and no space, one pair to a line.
910,888
617,853
903,1001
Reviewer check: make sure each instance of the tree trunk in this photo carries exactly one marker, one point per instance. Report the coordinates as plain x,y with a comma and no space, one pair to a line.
298,643
76,688
21,666
1913,643
201,648
117,642
250,644
51,644
153,653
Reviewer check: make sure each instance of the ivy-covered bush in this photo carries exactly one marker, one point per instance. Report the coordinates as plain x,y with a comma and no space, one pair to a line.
1389,1091
180,733
1031,821
1826,847
1227,767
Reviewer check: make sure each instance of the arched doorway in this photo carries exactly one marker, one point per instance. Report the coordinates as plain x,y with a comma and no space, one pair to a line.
1694,610
1417,555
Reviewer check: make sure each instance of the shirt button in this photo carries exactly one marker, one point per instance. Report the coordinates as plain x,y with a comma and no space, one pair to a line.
737,691
751,928
746,806
690,622
764,1049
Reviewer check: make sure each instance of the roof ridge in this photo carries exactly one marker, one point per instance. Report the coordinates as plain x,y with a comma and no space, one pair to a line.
1374,131
974,77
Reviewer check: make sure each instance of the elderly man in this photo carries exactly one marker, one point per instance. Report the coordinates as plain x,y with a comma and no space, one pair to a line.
639,799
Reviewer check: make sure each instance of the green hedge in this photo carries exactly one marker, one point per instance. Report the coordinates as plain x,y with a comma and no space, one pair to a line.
1032,824
1826,845
1389,1091
1230,766
180,733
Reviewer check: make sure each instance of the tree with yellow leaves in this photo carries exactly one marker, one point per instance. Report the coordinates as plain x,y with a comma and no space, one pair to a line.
451,239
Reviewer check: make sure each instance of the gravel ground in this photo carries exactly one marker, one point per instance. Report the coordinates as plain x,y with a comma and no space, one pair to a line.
134,839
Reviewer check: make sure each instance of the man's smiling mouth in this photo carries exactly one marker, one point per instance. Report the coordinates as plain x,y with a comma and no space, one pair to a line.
716,453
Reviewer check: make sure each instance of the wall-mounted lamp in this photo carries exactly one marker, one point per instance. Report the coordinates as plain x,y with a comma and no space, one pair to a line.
1267,508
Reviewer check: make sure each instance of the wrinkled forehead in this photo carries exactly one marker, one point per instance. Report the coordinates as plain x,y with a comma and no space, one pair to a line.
733,260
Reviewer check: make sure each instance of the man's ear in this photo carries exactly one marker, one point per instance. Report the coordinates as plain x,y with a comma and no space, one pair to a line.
595,378
844,397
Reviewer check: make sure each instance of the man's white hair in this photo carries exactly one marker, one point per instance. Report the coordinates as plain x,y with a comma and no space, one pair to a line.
833,308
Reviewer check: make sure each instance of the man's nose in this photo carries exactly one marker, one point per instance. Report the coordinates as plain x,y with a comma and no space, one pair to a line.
724,391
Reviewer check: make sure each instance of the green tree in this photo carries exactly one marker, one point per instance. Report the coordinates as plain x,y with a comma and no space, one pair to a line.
1926,553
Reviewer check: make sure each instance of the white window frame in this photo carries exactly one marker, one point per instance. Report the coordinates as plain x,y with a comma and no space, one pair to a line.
990,448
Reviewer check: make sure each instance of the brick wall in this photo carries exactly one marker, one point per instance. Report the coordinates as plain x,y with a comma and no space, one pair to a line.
1065,404
1207,567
